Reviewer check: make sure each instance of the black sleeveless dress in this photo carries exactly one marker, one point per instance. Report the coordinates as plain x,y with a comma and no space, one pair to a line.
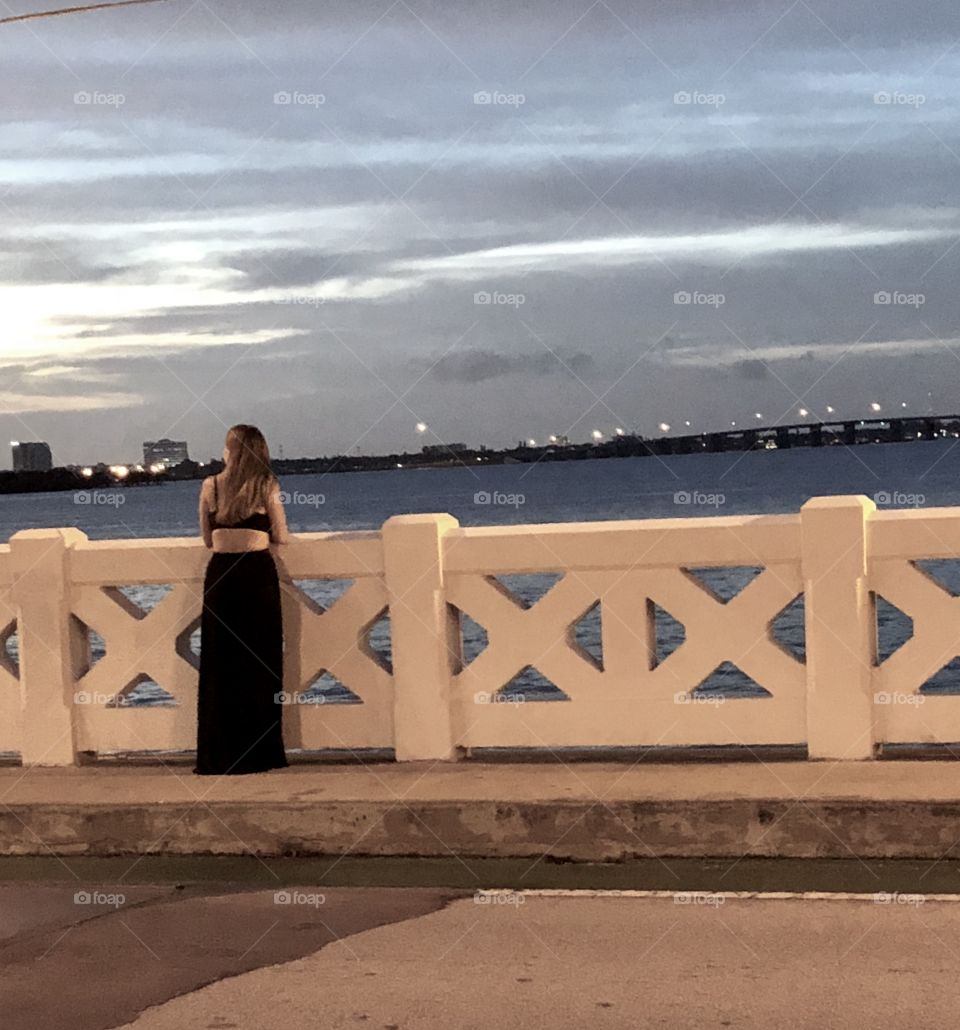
239,705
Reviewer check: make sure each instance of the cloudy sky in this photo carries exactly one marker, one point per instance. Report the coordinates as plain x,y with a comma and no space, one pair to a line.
505,220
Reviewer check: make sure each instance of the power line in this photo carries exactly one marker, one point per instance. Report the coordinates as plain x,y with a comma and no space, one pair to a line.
73,10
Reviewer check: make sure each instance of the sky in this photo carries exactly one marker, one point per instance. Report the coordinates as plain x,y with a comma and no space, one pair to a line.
500,220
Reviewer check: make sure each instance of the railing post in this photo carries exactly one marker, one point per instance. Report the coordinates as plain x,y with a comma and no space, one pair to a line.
839,625
40,592
424,642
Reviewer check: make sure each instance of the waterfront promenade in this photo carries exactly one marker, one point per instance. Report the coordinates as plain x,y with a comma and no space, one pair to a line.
367,888
818,733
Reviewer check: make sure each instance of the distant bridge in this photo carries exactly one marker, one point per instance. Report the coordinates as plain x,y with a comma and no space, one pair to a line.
846,432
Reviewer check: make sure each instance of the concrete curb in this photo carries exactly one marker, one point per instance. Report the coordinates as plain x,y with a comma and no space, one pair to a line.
583,812
597,831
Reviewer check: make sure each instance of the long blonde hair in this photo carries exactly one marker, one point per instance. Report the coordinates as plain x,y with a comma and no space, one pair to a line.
248,479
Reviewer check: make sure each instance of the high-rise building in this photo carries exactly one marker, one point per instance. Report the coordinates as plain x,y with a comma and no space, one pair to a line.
31,456
440,450
164,452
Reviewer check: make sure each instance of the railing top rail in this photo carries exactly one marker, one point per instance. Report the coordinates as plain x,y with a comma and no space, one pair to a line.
914,533
335,555
697,522
714,540
195,541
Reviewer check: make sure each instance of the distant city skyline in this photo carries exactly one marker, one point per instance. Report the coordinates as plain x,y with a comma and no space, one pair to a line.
500,223
167,452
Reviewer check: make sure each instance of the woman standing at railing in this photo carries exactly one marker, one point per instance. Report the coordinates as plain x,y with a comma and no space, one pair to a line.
239,707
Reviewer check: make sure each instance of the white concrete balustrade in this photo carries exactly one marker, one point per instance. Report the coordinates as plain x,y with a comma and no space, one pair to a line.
432,701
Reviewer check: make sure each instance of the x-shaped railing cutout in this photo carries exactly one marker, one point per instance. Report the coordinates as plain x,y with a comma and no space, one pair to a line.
736,631
10,704
936,625
139,644
334,639
542,635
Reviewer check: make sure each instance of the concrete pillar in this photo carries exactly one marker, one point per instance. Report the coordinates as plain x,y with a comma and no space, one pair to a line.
425,637
840,626
48,642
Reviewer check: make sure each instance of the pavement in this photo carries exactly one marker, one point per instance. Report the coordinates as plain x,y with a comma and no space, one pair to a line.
165,958
567,811
786,894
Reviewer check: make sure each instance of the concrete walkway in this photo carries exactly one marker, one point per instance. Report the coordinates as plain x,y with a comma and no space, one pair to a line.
585,811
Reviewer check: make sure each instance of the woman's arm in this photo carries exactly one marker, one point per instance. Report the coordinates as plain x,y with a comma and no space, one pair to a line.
204,512
278,517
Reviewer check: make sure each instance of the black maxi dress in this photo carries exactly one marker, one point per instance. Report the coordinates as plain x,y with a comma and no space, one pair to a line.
239,706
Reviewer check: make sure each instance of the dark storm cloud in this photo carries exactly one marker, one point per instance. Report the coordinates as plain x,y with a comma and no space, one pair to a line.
752,368
476,366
